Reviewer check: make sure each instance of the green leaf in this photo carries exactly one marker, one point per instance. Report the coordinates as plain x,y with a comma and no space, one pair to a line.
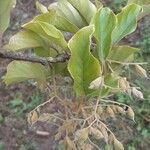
41,7
18,71
40,51
126,22
83,66
145,7
48,32
104,22
58,68
65,9
122,53
24,40
5,9
57,20
111,80
86,8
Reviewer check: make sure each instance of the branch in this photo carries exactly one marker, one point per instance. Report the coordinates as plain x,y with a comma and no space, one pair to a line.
43,61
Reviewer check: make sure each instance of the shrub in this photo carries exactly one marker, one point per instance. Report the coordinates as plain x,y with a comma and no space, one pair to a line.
78,39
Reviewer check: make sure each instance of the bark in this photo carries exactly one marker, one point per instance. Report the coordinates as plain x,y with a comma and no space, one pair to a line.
43,61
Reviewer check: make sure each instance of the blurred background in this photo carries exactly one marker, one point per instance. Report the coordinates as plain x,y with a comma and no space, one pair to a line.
19,99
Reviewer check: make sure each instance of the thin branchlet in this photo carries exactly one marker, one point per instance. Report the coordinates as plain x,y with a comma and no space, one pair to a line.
29,58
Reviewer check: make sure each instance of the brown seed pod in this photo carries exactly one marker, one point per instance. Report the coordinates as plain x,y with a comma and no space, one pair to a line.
114,108
87,147
100,110
82,135
97,134
123,84
130,113
118,145
111,139
32,117
140,71
110,112
104,132
120,110
137,94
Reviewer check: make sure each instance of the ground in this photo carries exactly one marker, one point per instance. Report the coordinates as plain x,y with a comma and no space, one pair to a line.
17,100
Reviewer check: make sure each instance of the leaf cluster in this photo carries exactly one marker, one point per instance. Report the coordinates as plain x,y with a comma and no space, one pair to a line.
91,36
93,45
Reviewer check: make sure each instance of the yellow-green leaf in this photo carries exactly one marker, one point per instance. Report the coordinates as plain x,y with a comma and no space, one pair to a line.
49,32
41,7
85,7
5,9
111,80
57,20
83,66
126,22
24,40
145,7
122,53
65,9
104,22
18,71
40,51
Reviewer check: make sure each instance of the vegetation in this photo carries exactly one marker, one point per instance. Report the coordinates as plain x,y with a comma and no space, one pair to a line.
83,43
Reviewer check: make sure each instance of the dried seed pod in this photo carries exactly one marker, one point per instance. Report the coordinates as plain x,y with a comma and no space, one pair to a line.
100,110
130,113
97,83
70,144
124,85
110,111
114,108
140,71
111,139
104,132
82,135
32,117
87,147
136,93
120,110
118,145
96,133
45,117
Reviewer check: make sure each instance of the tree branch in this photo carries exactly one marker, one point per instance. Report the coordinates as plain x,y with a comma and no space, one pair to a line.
43,61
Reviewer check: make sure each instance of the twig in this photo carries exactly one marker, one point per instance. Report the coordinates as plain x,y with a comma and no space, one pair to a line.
43,61
104,125
95,110
127,63
110,101
94,144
